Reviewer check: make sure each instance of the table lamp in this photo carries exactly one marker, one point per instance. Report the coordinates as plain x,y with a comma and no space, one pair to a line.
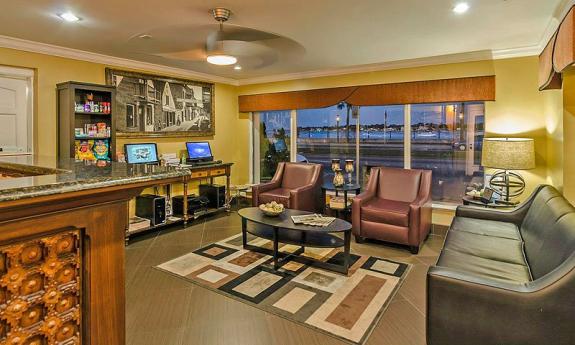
508,154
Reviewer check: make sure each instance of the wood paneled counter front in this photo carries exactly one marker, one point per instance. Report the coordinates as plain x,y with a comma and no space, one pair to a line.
62,226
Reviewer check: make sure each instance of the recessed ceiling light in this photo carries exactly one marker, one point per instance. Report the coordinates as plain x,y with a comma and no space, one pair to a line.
222,60
69,17
237,67
461,8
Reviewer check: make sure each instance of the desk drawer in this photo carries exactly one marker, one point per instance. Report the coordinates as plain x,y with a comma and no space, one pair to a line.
197,174
217,172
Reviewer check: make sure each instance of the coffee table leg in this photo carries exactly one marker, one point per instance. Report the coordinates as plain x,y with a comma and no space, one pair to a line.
347,242
244,232
275,248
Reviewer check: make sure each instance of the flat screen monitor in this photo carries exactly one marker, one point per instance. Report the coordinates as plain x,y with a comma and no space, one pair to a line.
141,153
199,150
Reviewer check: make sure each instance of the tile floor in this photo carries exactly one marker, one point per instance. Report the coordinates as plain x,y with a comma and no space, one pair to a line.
165,310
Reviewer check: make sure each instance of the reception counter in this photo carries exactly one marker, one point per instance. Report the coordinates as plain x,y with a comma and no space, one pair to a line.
62,226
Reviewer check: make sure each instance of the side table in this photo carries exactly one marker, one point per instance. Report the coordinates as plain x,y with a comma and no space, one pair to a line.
344,189
467,200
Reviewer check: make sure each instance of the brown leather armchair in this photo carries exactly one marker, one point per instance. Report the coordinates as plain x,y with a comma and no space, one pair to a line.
295,185
395,207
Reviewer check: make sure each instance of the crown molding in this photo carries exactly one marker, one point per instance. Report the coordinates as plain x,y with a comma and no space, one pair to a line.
391,65
76,54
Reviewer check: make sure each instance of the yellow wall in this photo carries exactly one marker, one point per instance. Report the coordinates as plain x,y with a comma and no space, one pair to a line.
519,109
553,110
569,135
230,143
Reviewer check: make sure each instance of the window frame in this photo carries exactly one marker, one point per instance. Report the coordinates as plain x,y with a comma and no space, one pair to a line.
407,133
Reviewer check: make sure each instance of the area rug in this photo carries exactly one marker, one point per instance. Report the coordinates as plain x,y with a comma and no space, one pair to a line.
346,307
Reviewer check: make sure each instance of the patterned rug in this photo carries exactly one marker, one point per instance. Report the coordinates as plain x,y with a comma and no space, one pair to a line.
347,307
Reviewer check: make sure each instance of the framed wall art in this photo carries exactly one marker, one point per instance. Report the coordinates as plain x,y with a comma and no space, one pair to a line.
156,106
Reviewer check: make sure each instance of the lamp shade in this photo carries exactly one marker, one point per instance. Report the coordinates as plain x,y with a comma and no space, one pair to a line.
508,153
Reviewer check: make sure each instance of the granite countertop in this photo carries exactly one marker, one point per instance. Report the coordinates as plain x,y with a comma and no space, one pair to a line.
52,176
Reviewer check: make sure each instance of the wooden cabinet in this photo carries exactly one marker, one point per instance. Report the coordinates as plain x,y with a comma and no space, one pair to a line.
40,287
62,268
81,106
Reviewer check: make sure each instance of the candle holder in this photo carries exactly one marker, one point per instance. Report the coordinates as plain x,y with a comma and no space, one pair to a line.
338,179
335,165
349,169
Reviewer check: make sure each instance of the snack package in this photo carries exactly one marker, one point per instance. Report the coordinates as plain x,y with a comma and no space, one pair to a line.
101,150
84,151
76,149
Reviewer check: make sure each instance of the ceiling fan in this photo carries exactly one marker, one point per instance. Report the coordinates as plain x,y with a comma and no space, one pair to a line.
217,44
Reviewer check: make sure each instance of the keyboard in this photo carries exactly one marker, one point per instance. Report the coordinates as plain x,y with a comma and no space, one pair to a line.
198,164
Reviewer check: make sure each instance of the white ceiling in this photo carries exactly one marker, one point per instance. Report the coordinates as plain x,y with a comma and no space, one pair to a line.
326,34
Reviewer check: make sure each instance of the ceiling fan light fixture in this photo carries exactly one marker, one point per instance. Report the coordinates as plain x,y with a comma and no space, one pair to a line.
222,59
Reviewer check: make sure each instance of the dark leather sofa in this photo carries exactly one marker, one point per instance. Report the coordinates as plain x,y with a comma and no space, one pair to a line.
295,185
506,277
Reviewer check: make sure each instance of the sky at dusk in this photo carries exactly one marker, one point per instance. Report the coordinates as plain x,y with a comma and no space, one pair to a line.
369,116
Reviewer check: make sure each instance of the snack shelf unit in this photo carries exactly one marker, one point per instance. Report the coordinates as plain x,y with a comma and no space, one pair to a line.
72,94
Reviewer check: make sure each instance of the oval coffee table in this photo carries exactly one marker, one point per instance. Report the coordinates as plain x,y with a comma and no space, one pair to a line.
281,229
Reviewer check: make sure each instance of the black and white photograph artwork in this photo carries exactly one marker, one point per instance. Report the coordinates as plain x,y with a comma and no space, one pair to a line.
156,106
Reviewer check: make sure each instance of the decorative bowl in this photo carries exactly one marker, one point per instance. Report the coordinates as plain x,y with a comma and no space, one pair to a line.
272,209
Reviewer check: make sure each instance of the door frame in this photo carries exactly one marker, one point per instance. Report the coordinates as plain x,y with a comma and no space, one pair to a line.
472,114
28,75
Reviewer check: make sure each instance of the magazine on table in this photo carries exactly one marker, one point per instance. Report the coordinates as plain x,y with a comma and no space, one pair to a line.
313,220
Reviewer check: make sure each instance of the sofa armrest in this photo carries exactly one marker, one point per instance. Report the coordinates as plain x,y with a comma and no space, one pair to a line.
515,216
420,214
304,198
508,216
466,309
262,188
356,205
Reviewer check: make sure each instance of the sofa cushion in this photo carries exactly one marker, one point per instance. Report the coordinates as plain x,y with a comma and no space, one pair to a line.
279,195
554,248
549,239
491,269
296,175
492,248
386,211
398,184
486,227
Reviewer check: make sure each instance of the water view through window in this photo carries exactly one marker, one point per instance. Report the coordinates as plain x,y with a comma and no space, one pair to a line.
381,138
326,134
445,138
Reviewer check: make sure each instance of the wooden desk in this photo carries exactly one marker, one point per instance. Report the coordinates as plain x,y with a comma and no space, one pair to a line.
197,173
201,172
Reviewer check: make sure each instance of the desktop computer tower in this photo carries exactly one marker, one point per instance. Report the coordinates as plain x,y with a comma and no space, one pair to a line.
215,193
152,207
195,203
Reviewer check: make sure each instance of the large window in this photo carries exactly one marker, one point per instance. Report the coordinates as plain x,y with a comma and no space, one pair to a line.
381,138
274,142
445,138
326,134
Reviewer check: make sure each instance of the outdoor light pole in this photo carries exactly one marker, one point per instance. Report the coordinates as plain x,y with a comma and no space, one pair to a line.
337,127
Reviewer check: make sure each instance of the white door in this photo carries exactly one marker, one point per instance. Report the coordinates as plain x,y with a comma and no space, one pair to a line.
14,120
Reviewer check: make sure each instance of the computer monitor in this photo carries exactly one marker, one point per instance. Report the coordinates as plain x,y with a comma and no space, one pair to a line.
199,150
141,153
